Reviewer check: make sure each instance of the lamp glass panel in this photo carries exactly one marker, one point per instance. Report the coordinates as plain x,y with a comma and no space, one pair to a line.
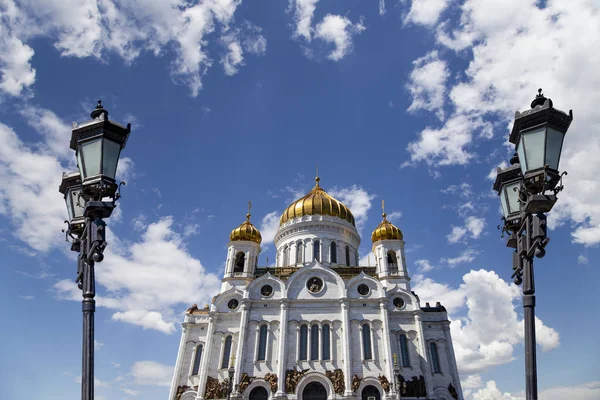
69,202
80,164
110,158
512,195
91,154
534,143
554,141
504,203
521,153
78,203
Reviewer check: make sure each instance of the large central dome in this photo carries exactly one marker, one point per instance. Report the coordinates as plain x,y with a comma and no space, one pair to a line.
317,202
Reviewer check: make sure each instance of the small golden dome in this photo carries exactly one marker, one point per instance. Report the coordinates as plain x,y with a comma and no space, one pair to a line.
386,231
317,201
246,231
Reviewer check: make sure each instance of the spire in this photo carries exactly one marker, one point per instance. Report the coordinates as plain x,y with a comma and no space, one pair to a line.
249,208
317,179
383,214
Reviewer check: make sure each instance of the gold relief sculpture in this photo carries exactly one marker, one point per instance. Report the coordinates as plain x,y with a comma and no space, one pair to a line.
385,384
292,376
413,388
337,379
214,389
272,380
193,308
180,391
244,382
355,382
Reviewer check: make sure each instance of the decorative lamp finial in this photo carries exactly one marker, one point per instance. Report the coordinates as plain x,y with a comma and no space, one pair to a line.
539,99
99,110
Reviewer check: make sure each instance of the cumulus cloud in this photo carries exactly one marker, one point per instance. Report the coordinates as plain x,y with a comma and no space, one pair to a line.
333,29
96,29
486,336
424,266
425,12
427,84
473,226
465,256
502,41
269,226
139,278
151,373
357,199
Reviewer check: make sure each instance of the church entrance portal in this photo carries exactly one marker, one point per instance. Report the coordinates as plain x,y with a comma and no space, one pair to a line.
258,393
371,393
314,391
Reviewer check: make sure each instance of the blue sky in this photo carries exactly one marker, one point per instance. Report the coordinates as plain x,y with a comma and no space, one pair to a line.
230,101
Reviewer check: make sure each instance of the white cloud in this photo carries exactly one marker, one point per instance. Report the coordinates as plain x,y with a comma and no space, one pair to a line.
456,235
139,278
427,83
27,297
95,29
582,259
426,12
269,226
491,392
494,171
473,226
338,31
502,40
236,42
583,391
381,7
357,199
303,14
151,373
424,266
130,392
465,256
98,344
464,190
394,216
486,336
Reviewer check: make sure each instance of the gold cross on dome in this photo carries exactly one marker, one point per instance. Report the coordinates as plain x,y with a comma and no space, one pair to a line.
382,206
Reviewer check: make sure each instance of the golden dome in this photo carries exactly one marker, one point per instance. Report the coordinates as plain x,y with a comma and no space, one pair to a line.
246,231
317,201
386,231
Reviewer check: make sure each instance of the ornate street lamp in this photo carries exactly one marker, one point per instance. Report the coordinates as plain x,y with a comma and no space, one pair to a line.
527,191
90,195
231,372
98,144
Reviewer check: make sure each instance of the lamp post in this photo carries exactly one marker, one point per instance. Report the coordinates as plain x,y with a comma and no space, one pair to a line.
231,372
527,191
90,196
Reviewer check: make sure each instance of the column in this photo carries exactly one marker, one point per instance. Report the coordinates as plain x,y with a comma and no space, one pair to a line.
452,361
311,251
241,341
320,343
424,353
246,261
346,350
282,356
308,343
185,331
206,358
387,347
361,339
293,254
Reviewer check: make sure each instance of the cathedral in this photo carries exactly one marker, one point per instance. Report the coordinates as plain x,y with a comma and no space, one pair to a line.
316,326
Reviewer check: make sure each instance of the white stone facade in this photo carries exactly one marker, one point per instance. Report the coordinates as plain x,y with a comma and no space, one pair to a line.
331,325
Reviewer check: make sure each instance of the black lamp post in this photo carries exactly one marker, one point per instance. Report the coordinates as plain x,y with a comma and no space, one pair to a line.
231,372
90,196
527,191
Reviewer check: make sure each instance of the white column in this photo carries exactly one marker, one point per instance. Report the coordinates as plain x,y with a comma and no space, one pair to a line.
206,358
311,251
241,343
293,253
346,350
362,342
320,343
185,331
309,343
387,347
424,353
282,356
452,361
298,343
247,261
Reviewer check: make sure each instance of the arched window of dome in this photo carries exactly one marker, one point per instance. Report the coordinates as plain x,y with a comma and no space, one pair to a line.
197,358
404,351
314,342
240,261
392,262
347,256
262,343
299,252
226,352
317,250
326,340
366,334
302,351
286,256
435,359
333,252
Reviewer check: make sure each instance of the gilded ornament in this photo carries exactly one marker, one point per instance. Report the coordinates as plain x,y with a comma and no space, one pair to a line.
337,379
385,384
246,231
355,382
272,380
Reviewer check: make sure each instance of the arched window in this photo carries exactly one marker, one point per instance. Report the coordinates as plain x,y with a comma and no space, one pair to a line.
240,260
333,252
366,329
226,353
326,345
262,343
314,342
404,351
299,253
286,256
391,257
317,250
347,256
303,342
435,360
197,358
